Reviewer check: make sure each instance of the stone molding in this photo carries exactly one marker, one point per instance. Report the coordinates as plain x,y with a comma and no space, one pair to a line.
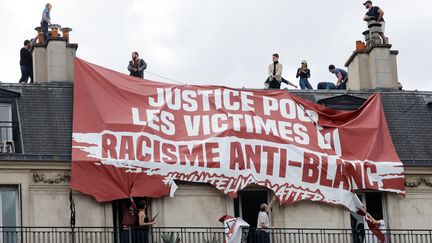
415,182
50,179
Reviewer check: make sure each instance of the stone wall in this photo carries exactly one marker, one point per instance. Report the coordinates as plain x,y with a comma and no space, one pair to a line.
44,196
415,210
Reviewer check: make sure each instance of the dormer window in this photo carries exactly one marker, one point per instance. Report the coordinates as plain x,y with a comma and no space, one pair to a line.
342,102
10,139
7,144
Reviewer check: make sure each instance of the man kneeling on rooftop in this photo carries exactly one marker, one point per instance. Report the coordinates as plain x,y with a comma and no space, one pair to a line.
342,76
275,75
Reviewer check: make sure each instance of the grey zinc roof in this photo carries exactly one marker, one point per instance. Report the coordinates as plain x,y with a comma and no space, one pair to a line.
409,118
45,120
45,113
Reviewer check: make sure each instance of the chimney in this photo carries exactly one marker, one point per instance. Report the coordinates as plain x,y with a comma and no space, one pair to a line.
53,60
374,65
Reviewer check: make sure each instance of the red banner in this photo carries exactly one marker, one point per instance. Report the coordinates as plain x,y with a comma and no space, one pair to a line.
134,137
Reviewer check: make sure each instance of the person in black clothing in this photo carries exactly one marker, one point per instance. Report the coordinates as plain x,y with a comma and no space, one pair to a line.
144,223
304,73
26,62
137,66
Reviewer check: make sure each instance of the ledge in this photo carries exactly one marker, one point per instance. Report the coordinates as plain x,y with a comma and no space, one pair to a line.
368,50
36,158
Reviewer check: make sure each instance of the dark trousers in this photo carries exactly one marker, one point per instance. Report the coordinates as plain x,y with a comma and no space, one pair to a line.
274,84
342,84
26,73
44,27
127,236
143,235
262,236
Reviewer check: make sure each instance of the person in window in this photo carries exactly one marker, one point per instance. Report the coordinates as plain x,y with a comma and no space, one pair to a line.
46,20
304,73
137,66
26,62
359,233
144,223
275,75
376,13
263,222
129,220
342,76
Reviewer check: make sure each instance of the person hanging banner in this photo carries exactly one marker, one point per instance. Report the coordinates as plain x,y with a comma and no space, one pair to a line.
134,137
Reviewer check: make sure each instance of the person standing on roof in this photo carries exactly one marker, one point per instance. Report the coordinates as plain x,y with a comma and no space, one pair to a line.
46,20
342,76
304,73
137,66
26,62
275,74
376,13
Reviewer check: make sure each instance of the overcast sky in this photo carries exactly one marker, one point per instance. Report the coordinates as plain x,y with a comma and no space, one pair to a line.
222,42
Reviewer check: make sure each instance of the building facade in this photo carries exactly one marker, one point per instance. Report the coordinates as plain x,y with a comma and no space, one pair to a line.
35,161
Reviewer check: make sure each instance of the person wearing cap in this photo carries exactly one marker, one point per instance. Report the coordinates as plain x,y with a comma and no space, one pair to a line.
376,13
275,78
304,73
342,76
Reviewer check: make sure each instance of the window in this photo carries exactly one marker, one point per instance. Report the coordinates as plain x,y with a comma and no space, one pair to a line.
342,102
375,205
6,129
9,214
247,204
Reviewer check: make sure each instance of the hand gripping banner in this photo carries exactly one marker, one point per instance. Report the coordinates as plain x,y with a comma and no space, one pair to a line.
134,137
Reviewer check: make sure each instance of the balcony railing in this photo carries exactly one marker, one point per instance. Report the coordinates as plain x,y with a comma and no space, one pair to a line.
8,131
198,235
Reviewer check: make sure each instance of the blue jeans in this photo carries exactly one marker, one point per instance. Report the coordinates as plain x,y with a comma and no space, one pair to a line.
304,84
342,85
44,27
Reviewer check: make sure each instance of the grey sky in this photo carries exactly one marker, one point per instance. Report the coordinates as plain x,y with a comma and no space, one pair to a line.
223,42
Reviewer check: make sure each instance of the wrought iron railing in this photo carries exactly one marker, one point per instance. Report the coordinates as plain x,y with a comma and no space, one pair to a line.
199,235
8,131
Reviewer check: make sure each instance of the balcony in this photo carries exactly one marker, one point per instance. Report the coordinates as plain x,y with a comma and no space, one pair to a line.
8,133
198,235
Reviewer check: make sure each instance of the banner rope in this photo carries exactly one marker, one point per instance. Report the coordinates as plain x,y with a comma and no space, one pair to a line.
160,76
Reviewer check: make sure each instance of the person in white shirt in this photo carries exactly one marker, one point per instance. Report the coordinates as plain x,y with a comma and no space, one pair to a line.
263,223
